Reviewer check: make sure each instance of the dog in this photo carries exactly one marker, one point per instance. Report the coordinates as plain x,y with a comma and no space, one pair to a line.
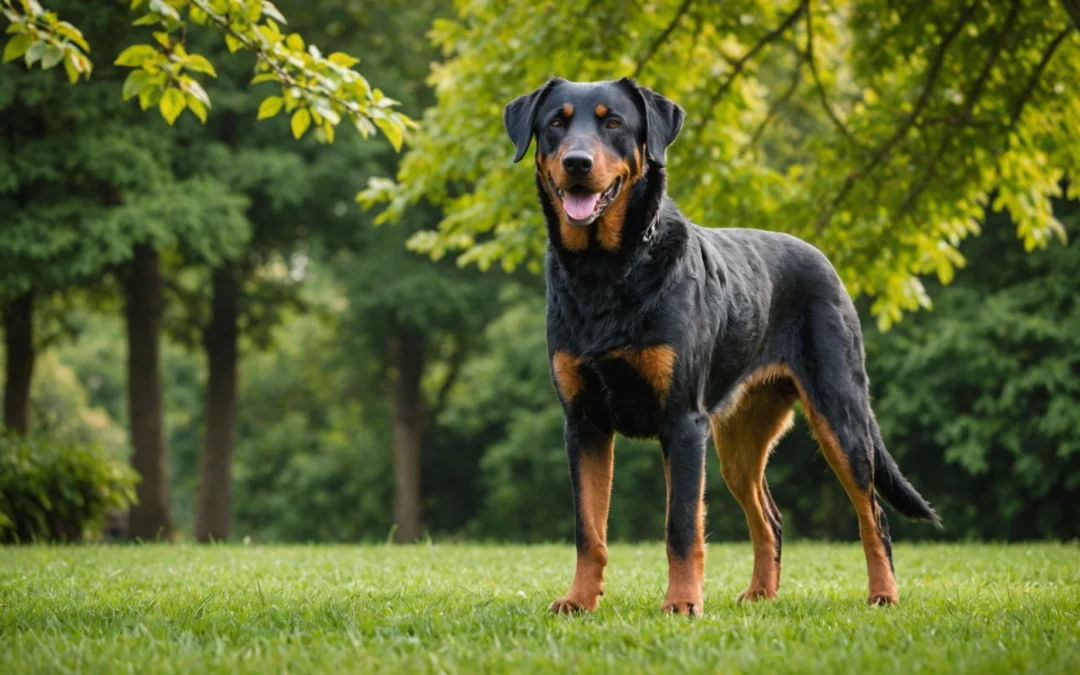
659,328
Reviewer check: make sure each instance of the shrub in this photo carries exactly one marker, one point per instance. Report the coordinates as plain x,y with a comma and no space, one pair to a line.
55,491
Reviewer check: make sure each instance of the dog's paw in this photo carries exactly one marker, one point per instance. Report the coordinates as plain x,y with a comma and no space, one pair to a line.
573,604
882,599
684,607
756,593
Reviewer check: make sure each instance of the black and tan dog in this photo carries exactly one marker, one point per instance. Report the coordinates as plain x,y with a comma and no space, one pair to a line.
659,328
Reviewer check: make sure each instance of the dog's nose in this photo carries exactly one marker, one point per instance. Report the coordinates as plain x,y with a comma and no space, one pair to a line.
577,163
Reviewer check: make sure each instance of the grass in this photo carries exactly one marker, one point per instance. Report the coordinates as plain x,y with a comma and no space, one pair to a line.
472,608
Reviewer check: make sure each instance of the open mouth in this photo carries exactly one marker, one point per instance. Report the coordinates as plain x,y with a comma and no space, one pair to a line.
583,206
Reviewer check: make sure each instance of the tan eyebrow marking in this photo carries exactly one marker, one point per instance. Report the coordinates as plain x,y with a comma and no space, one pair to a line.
601,110
568,110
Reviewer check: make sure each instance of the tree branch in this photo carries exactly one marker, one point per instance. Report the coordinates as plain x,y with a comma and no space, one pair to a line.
966,114
774,107
266,57
906,124
739,65
837,122
660,39
1033,81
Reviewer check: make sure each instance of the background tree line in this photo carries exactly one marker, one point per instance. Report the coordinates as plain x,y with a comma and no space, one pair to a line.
210,301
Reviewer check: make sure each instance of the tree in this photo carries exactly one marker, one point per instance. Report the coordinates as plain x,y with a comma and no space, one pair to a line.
882,132
92,193
315,89
19,348
296,206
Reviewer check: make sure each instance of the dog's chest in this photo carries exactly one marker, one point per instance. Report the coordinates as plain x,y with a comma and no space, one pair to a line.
627,387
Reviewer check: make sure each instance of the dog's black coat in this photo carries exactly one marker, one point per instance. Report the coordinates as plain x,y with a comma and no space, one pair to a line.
728,301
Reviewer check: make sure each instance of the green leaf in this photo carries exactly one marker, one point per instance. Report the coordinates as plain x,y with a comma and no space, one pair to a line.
36,51
270,106
269,9
172,104
162,7
16,47
72,69
393,131
233,44
192,87
200,64
135,83
196,106
72,33
53,55
343,59
148,19
135,55
301,120
264,77
149,96
295,42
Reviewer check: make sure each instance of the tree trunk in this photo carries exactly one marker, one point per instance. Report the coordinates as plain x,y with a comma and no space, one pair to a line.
150,519
407,359
219,338
19,348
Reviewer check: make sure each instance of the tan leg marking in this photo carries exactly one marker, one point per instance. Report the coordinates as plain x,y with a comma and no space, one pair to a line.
595,467
567,371
743,441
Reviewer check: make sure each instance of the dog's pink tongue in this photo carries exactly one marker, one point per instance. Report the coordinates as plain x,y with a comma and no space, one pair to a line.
580,207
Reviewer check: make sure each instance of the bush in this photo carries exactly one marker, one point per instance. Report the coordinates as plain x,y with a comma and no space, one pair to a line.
54,491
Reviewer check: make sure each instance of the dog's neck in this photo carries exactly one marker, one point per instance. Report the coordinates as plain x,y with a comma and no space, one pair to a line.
641,227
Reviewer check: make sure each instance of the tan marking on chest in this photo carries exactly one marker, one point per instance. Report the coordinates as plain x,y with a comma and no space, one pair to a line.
656,365
567,371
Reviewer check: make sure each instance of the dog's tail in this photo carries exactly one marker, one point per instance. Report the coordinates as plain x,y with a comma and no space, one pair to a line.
897,491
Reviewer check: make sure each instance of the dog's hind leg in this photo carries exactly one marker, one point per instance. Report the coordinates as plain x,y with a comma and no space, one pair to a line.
743,440
591,455
834,391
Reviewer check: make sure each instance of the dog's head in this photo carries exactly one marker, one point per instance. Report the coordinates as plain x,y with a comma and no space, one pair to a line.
592,140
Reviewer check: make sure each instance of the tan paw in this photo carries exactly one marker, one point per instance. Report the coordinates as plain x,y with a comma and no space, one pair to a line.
882,599
755,593
684,607
573,604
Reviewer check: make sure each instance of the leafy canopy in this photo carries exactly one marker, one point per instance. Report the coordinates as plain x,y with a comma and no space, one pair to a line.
882,132
315,89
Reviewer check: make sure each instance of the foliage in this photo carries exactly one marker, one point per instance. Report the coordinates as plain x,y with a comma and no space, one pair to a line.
318,472
315,89
41,37
84,179
880,133
964,609
981,398
53,491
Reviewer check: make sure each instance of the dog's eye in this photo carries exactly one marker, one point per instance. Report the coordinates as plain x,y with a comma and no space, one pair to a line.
613,124
556,122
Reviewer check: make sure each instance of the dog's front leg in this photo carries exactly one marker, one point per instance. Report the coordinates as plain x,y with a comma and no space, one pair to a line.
591,455
683,442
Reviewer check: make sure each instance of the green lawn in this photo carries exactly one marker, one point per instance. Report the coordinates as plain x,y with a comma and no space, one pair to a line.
461,608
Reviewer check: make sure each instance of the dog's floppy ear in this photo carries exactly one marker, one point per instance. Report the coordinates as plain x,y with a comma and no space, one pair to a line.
663,119
519,117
